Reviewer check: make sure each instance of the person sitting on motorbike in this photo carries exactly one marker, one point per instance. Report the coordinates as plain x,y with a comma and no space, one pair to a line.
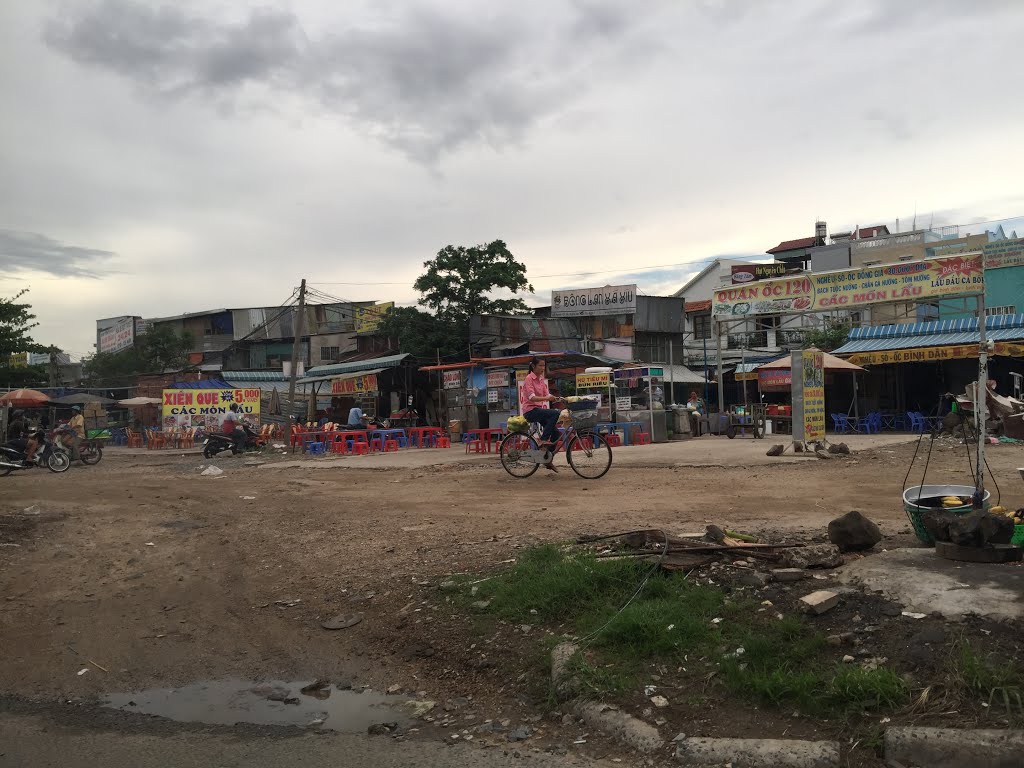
356,418
535,396
20,437
233,427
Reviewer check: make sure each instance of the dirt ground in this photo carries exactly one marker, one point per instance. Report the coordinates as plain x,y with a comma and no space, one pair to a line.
164,577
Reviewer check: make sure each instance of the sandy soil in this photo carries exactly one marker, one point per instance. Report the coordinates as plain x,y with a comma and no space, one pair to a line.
164,577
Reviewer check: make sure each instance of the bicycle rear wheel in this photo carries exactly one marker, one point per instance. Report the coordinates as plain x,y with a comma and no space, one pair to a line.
589,455
90,453
512,451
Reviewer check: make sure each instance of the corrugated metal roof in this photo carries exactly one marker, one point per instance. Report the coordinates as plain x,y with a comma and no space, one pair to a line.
253,376
934,334
391,361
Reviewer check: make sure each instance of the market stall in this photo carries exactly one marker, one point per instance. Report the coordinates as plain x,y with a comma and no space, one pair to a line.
597,382
502,396
639,397
776,377
358,390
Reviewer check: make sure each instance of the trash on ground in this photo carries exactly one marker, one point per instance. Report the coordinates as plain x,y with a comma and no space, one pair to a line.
342,621
212,471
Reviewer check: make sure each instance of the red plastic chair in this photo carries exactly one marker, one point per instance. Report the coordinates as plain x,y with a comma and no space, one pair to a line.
390,445
444,442
642,438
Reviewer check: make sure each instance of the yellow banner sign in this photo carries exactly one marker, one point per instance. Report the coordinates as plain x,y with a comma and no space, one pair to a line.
593,380
932,354
354,385
813,373
749,376
905,281
206,407
368,318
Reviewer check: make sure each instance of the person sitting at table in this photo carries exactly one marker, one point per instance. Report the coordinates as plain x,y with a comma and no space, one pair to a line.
535,396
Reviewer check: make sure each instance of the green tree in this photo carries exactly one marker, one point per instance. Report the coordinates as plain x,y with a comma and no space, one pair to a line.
162,349
832,335
16,323
111,369
421,334
458,280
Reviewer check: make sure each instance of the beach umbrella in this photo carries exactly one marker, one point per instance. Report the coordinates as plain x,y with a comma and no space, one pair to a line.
24,398
137,402
82,398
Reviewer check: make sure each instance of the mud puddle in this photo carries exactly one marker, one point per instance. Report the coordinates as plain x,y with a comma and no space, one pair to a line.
273,702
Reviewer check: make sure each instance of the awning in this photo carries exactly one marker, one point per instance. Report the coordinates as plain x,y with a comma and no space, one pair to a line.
354,366
352,375
680,374
943,333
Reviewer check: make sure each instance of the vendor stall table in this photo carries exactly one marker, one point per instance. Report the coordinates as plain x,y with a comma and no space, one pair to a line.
488,437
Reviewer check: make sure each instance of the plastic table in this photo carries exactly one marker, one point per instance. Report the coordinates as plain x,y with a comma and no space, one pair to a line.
387,434
421,434
487,436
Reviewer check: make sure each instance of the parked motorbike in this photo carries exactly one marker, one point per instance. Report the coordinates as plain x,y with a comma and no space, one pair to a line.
218,442
47,455
89,451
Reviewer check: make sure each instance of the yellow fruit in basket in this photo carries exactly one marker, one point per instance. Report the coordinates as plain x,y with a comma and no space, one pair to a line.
1000,510
951,501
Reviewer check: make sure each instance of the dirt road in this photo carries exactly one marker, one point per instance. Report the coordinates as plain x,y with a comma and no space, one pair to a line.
164,577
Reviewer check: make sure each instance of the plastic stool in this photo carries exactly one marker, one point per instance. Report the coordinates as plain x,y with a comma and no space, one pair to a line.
642,438
444,442
316,449
376,444
360,448
390,445
338,446
613,439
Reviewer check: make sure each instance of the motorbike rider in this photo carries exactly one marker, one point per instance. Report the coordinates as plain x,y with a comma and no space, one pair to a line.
233,427
20,437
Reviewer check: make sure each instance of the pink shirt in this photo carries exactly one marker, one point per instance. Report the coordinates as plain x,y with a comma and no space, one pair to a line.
533,385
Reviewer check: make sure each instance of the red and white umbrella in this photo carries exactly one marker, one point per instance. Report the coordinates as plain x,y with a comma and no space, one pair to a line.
24,398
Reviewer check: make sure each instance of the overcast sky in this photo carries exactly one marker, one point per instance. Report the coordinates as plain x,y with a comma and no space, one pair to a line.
162,157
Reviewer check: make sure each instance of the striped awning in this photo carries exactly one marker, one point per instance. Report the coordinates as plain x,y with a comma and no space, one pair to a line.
941,333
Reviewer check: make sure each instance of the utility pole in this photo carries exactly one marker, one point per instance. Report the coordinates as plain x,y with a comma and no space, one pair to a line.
53,369
296,347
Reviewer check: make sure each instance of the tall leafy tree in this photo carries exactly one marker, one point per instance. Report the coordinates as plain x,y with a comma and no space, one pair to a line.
458,282
163,349
421,334
16,324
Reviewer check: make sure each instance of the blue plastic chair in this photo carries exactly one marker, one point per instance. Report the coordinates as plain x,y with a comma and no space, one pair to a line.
841,423
916,421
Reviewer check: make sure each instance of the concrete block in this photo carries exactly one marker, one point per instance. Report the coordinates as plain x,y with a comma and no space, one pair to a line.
751,578
625,729
789,574
954,748
819,602
758,753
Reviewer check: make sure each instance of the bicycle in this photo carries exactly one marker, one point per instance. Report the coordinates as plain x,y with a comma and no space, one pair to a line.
587,452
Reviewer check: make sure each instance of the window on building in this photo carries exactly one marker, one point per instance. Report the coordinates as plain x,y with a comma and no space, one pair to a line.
702,326
874,263
1007,309
330,353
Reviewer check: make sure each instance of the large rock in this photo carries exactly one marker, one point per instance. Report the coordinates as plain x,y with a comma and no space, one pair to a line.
853,532
980,528
937,522
814,556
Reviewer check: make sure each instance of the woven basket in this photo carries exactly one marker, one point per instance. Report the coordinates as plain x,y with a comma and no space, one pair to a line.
914,511
585,419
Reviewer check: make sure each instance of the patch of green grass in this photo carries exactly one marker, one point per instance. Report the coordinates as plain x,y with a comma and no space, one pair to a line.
783,662
994,680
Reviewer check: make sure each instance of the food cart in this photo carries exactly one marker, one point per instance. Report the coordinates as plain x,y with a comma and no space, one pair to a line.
597,382
502,396
362,389
639,396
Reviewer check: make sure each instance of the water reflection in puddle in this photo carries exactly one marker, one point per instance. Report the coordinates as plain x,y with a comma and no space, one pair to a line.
273,702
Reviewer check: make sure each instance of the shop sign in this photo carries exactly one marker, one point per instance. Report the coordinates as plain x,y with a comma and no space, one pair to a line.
119,336
206,407
774,379
623,403
1004,253
354,385
452,379
18,360
748,376
367,319
932,354
587,302
629,374
492,395
497,379
586,380
904,281
809,396
747,273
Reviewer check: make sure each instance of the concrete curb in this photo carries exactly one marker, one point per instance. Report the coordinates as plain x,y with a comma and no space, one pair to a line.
952,748
758,753
625,729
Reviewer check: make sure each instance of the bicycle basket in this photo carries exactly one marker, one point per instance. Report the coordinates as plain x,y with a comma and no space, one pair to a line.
585,419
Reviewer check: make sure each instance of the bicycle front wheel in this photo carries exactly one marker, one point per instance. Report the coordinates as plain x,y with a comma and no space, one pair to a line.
514,459
589,455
